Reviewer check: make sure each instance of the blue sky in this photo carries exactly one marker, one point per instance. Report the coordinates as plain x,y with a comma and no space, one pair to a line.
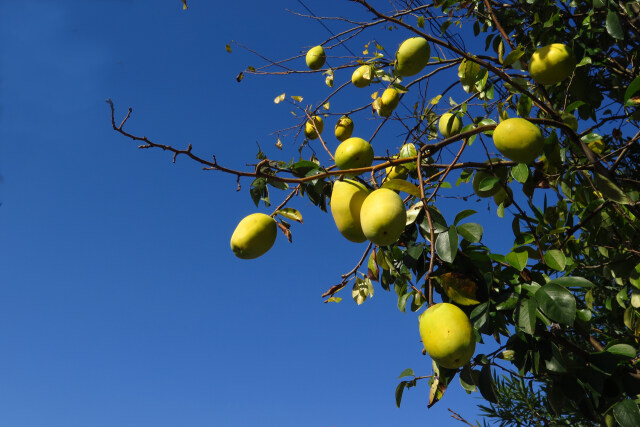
121,302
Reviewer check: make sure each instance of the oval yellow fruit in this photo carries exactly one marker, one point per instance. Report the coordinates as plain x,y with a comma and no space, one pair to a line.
344,128
254,236
310,131
388,102
383,217
519,140
552,63
362,76
449,125
396,172
346,200
315,58
354,153
447,335
412,56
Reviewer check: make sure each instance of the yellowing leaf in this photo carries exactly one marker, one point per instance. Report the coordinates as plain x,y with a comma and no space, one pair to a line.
402,185
290,213
460,288
278,99
184,5
297,98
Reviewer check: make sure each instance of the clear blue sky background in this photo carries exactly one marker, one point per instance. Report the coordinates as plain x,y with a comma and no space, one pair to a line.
121,302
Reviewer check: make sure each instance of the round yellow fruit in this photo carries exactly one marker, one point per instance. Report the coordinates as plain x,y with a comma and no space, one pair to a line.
552,63
477,180
519,140
412,56
344,128
362,76
254,236
388,102
316,58
354,153
449,125
310,131
346,200
447,335
383,217
396,172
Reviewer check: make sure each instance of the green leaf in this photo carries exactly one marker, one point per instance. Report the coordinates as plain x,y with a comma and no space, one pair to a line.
610,190
471,232
633,88
613,26
290,213
524,106
513,56
557,303
407,373
627,413
555,259
399,391
517,260
402,301
462,215
402,185
624,350
527,315
572,281
421,21
486,385
447,244
520,173
228,48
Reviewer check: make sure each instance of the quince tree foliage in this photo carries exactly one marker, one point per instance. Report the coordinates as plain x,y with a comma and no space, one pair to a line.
562,305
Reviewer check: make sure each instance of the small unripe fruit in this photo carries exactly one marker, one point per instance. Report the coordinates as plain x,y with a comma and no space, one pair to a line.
344,128
316,58
449,125
310,130
362,76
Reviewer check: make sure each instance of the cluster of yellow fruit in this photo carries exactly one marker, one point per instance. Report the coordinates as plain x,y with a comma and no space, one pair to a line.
360,214
313,128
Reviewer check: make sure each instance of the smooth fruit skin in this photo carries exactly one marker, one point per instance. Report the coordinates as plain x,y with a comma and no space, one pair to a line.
383,217
254,236
316,58
310,131
344,128
362,76
519,140
447,335
346,200
412,56
449,125
388,102
396,172
354,153
552,63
